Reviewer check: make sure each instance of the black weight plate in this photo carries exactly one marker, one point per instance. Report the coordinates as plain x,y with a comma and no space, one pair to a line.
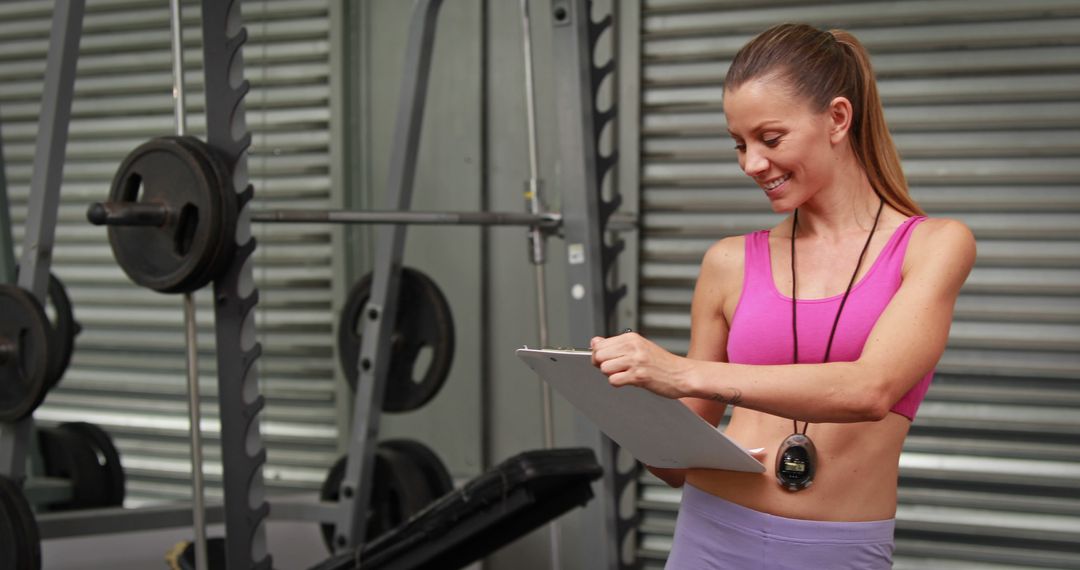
20,543
24,365
436,476
382,514
409,489
211,160
70,455
423,321
64,329
108,457
399,490
177,256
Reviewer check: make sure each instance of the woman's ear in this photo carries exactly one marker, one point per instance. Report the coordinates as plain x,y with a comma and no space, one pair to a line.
840,117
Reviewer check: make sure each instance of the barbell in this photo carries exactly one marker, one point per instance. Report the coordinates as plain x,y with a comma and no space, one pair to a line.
172,215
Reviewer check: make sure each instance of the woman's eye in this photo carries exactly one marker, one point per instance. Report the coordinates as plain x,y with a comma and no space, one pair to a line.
741,147
772,142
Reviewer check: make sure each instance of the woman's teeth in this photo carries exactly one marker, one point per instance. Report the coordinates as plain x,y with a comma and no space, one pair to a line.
775,183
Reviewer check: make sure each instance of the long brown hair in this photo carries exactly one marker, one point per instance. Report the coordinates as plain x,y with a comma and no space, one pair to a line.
820,66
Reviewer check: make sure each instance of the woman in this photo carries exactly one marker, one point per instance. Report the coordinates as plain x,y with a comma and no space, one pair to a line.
875,283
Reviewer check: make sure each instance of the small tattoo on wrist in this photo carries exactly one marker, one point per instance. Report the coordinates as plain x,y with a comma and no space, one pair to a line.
734,400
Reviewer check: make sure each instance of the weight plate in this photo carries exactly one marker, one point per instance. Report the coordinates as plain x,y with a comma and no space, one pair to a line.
211,160
186,252
20,543
382,514
24,351
64,328
423,322
427,462
69,455
108,458
400,489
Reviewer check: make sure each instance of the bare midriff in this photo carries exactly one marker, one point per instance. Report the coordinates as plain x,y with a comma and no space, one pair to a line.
856,471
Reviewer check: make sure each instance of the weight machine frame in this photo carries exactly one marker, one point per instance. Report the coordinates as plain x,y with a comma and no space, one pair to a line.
584,225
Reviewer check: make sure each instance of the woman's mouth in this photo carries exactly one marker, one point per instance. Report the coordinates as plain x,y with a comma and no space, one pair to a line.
772,185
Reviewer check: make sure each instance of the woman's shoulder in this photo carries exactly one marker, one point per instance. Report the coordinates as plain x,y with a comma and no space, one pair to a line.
725,254
952,232
939,239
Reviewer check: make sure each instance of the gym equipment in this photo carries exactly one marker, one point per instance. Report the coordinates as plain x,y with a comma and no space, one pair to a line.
64,329
175,234
171,215
422,458
108,459
423,321
24,350
520,494
83,454
20,544
584,220
407,477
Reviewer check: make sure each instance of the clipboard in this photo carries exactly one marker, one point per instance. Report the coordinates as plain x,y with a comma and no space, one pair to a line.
658,431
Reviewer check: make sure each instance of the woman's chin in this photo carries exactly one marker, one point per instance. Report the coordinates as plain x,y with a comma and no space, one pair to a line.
782,206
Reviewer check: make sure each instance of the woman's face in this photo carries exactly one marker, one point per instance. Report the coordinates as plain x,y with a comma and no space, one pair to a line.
787,148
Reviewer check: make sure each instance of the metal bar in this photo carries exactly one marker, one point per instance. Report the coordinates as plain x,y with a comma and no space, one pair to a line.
374,362
585,216
198,497
537,251
235,296
140,214
549,220
40,227
57,90
128,214
90,522
176,28
7,242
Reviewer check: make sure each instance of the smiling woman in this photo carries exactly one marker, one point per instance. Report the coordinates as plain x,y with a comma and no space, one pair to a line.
849,342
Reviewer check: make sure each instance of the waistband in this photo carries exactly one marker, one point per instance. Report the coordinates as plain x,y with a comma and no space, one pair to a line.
730,514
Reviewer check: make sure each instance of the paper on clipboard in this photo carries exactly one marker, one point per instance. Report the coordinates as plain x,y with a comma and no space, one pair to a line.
657,431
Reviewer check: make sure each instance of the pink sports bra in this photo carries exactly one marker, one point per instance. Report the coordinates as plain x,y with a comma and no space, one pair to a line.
761,327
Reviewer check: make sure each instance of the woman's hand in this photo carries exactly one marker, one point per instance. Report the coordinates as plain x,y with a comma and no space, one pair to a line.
630,359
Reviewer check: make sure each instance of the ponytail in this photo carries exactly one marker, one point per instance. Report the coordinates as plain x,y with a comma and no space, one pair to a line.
823,65
872,143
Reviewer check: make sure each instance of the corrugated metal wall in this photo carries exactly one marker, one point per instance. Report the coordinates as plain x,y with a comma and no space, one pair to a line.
984,102
128,371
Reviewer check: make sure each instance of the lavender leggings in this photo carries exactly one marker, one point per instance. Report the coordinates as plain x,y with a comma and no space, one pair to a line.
712,533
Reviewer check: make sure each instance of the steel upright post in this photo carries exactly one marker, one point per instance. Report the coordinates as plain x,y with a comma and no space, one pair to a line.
7,244
586,214
235,296
40,227
374,362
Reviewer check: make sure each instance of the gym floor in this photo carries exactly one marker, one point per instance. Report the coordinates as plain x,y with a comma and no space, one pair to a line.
294,545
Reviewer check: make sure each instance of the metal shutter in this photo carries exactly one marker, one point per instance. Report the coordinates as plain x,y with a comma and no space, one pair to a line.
128,370
984,102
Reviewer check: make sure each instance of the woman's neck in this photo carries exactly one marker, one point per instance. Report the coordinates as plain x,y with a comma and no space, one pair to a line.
846,206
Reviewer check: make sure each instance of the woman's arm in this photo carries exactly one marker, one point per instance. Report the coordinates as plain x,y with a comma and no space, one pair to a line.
721,273
905,344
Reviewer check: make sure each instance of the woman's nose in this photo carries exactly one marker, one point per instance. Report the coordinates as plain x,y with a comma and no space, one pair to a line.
754,163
